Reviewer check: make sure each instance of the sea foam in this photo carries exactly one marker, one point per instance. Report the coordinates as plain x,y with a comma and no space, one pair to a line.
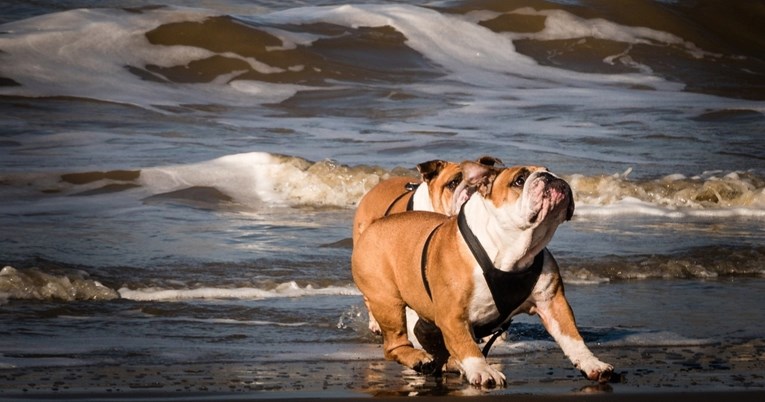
284,290
85,53
34,284
560,24
256,178
711,194
471,52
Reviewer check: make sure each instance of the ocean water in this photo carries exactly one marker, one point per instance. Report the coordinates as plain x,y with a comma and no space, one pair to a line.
178,179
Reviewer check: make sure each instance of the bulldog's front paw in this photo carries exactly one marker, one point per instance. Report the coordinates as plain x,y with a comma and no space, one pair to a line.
374,326
596,370
429,367
479,373
420,361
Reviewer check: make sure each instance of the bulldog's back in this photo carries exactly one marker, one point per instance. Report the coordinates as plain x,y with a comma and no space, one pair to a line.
389,251
387,197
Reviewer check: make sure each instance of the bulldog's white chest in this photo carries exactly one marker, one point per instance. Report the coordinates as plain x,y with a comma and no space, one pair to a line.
482,307
421,199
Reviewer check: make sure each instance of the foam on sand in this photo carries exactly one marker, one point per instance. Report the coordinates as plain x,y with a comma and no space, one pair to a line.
284,290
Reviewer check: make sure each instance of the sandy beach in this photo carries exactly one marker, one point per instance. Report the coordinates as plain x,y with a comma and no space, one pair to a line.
705,372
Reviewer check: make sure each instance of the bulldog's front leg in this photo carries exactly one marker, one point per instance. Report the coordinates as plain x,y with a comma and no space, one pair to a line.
558,319
459,340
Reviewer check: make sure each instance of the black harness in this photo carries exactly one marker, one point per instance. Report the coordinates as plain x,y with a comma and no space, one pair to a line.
409,187
508,289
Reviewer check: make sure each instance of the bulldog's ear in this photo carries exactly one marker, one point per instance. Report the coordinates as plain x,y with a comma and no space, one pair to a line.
429,170
570,210
490,161
478,175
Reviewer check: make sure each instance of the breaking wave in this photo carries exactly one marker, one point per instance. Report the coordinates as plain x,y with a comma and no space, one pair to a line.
250,180
34,284
72,285
710,262
711,194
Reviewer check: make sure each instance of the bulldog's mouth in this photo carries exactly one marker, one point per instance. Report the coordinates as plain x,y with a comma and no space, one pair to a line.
549,195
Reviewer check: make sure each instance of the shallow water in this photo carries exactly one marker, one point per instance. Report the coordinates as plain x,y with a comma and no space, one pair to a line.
185,178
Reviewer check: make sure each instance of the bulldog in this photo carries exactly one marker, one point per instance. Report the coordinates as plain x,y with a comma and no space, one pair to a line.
443,191
465,276
440,190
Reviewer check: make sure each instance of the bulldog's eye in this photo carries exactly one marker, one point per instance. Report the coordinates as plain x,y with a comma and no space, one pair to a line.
454,182
520,180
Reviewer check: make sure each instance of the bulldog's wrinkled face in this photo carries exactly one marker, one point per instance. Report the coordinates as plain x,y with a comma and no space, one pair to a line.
519,210
443,179
448,188
532,196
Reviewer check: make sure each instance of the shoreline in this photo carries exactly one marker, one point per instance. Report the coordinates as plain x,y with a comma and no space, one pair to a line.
702,372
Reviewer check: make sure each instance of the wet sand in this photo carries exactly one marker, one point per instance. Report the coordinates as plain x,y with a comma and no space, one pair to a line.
735,371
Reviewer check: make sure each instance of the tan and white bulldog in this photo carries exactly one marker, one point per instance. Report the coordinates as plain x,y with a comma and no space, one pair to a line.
437,266
440,190
443,191
400,194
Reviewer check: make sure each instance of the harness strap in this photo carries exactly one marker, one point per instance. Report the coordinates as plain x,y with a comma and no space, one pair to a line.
479,253
409,187
494,336
424,260
508,289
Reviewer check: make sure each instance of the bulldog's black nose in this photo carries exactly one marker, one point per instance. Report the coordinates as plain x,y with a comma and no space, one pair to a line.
554,181
546,177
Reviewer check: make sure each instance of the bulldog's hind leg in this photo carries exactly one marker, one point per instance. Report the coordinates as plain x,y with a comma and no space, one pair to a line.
391,316
558,318
432,340
374,327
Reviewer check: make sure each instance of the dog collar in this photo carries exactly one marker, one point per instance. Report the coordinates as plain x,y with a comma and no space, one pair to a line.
508,289
409,187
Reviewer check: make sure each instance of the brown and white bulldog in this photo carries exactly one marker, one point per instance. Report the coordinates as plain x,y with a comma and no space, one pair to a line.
444,192
400,194
440,190
467,275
